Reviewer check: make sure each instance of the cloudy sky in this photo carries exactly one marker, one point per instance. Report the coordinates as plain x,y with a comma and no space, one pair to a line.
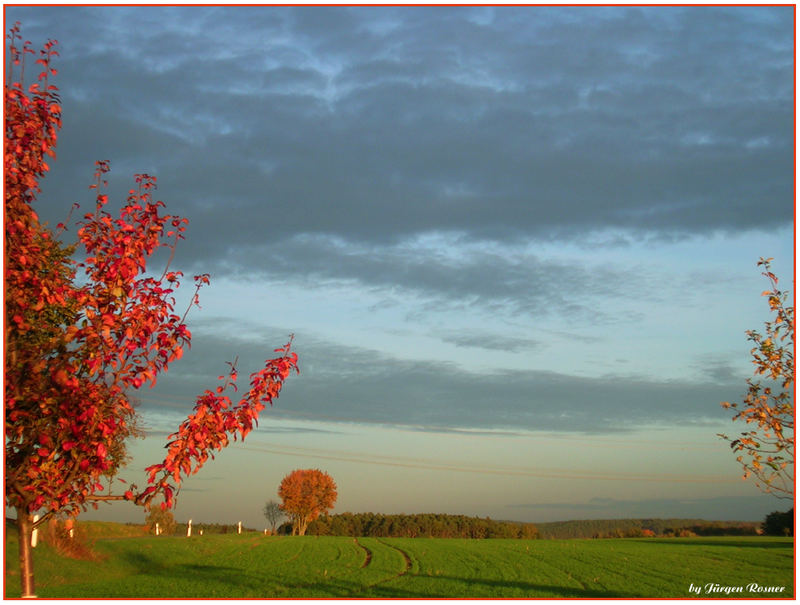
517,247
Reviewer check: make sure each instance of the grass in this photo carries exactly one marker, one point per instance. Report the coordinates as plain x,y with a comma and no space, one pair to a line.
108,529
591,568
253,565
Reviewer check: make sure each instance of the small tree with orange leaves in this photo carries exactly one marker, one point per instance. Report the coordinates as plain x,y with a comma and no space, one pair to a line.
767,451
306,495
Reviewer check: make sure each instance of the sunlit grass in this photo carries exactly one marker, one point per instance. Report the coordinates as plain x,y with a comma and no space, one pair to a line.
253,565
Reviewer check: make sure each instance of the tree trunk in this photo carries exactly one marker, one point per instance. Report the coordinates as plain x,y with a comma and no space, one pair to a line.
25,531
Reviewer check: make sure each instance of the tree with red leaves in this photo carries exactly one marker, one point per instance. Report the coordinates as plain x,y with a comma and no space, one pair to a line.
76,348
306,494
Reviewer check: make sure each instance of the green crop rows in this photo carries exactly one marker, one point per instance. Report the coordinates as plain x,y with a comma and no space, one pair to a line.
252,565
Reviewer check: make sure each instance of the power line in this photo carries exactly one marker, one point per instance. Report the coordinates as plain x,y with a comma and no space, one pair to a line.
427,464
507,471
583,439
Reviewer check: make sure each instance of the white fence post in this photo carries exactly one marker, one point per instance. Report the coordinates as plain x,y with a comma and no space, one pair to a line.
35,533
157,529
240,527
189,529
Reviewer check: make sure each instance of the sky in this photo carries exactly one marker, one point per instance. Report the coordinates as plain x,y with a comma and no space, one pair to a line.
516,246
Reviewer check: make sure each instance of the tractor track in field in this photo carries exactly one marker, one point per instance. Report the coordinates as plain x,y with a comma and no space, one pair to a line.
368,560
405,556
367,553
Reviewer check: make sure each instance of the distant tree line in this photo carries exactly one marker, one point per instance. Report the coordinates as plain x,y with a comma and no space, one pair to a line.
418,526
636,528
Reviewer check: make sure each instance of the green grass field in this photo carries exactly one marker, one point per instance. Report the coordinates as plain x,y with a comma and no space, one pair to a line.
253,565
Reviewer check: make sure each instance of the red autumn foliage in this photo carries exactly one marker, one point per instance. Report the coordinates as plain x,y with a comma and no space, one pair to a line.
77,347
306,495
214,419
